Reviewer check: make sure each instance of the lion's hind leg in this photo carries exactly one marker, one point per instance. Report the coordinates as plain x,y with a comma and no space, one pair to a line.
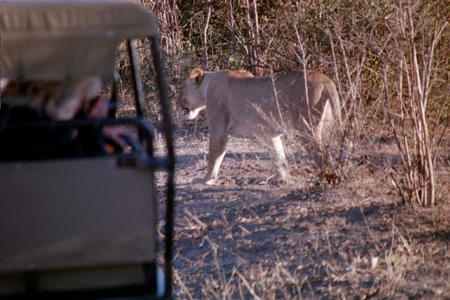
217,151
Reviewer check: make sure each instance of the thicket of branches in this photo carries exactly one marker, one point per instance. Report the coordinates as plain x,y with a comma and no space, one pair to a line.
390,60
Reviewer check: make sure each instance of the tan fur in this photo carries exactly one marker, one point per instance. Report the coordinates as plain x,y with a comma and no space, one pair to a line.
236,102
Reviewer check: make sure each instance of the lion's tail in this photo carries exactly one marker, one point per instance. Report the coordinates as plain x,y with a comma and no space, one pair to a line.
334,101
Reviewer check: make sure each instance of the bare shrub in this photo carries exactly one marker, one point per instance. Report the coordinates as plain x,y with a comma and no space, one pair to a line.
388,62
411,67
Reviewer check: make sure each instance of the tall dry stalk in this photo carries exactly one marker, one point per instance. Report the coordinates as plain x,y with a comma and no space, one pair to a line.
205,32
232,23
253,35
414,81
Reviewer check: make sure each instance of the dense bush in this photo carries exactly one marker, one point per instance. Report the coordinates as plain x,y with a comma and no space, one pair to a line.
388,58
347,40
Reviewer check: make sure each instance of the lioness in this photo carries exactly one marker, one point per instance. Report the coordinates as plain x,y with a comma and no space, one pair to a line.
237,102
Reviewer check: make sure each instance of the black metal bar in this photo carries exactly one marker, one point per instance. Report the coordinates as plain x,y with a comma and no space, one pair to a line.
150,275
31,283
136,74
167,126
80,123
131,161
146,290
144,128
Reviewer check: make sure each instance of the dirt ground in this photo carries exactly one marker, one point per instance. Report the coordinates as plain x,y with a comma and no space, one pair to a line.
251,238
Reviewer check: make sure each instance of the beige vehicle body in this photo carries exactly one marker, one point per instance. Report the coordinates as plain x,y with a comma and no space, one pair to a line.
236,102
78,224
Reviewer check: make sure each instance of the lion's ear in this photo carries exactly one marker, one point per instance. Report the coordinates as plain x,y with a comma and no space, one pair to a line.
196,74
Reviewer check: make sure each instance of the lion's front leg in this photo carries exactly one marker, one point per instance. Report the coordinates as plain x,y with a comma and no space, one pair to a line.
217,149
280,157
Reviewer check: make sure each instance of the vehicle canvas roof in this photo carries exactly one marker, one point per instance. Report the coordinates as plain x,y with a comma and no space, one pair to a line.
57,40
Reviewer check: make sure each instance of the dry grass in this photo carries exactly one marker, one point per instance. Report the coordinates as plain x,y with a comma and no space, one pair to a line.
250,239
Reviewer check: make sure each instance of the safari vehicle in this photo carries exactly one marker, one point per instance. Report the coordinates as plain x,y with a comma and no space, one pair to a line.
83,227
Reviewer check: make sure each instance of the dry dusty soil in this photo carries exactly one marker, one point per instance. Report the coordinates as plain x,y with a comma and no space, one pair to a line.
251,238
